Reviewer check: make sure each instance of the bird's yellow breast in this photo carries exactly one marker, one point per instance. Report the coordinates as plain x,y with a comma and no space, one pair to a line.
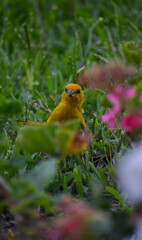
64,112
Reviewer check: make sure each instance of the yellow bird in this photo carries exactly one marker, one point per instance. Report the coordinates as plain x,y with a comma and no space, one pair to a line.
68,109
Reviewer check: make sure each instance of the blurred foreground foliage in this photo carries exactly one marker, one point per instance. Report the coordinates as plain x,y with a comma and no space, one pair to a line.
53,138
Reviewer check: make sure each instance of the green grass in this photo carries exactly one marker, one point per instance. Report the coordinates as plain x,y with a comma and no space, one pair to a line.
42,46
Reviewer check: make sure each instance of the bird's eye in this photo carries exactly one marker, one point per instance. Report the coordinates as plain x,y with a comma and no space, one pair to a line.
78,91
66,90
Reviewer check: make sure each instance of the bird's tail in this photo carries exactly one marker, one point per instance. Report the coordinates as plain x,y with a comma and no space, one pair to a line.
35,123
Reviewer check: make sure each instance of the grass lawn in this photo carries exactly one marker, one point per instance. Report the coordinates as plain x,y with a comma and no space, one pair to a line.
45,45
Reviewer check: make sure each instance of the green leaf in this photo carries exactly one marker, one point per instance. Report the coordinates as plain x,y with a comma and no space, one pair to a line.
78,181
18,162
52,138
117,195
65,184
4,143
22,187
102,176
99,175
38,139
43,173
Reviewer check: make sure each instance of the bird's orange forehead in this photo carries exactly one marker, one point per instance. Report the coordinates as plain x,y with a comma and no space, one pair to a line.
73,86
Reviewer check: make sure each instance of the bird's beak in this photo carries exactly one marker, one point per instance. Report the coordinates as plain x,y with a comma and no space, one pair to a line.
71,92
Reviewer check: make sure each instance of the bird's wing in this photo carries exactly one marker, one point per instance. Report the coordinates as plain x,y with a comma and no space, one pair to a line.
57,115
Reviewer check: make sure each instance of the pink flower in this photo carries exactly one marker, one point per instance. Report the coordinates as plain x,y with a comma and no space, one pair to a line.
118,98
121,94
69,206
131,122
118,71
110,118
130,93
53,233
106,76
71,223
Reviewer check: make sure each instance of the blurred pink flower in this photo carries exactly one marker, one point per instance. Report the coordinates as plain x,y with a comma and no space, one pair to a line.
73,220
69,205
120,95
132,121
53,233
118,71
118,98
107,76
110,118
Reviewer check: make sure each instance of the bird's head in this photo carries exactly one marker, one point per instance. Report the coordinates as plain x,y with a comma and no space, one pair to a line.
73,94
